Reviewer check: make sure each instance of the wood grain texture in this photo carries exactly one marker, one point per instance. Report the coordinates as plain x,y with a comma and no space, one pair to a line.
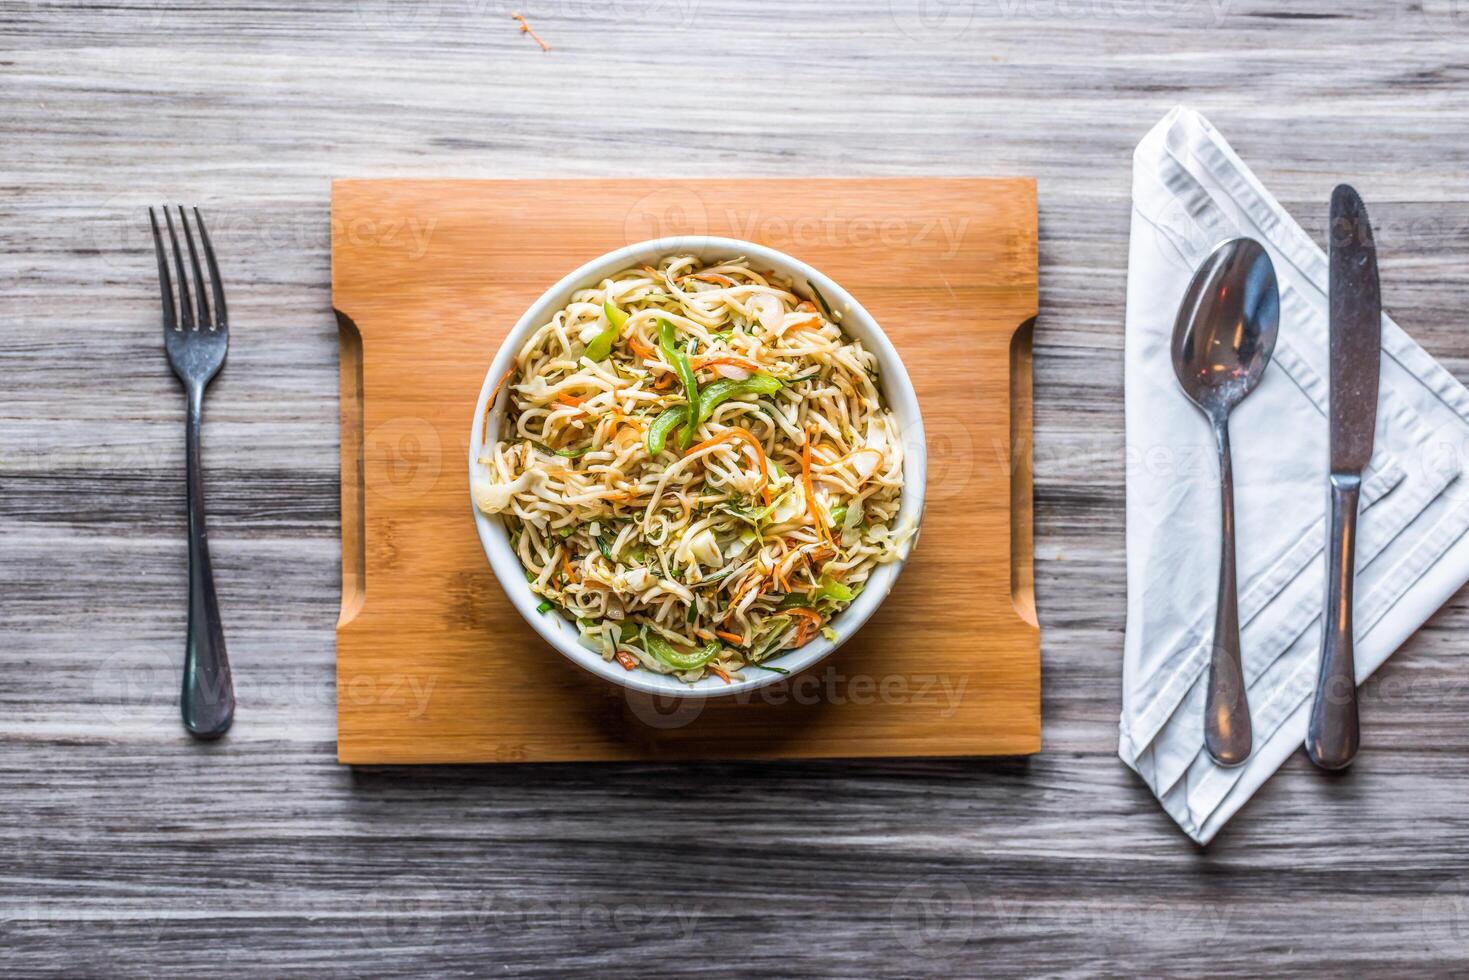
949,266
127,850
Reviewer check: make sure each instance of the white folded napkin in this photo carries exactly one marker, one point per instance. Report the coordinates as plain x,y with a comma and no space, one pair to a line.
1190,191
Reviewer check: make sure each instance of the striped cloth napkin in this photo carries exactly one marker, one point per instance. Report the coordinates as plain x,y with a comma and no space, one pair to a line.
1190,191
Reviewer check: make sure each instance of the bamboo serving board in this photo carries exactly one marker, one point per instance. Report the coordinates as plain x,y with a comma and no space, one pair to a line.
433,663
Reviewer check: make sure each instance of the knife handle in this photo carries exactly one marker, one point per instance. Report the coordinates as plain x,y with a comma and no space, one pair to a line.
1333,736
1227,731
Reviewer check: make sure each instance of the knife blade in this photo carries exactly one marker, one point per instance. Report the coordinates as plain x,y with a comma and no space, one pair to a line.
1355,347
1356,332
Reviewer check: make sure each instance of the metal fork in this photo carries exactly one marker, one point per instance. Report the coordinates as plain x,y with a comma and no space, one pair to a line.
196,349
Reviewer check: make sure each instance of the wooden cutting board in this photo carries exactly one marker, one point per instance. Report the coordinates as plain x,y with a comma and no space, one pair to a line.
433,663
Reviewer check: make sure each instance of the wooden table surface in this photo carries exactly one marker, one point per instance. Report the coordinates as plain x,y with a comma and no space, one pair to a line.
125,848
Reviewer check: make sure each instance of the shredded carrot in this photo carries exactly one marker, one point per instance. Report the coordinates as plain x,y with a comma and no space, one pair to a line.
810,560
813,321
720,671
810,624
638,347
664,382
699,363
572,400
501,383
804,611
628,661
737,433
811,507
788,565
758,586
495,393
525,29
734,638
806,306
718,279
566,565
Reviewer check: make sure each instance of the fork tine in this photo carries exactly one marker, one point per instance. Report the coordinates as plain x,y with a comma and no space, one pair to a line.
221,320
170,320
186,305
198,273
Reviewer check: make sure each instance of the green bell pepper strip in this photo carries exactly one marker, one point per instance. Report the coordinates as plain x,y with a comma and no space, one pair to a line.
658,432
830,588
601,344
664,651
668,343
827,588
722,391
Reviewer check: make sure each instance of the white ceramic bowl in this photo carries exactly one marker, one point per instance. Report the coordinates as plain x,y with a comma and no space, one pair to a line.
896,387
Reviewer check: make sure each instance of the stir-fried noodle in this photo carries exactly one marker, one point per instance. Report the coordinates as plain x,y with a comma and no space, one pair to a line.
697,466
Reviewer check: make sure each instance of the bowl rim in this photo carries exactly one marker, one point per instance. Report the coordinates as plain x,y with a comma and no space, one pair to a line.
897,389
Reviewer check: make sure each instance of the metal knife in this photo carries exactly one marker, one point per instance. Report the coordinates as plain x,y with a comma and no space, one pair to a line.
1356,354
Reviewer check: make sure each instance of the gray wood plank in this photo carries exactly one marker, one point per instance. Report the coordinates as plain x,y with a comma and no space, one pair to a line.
125,849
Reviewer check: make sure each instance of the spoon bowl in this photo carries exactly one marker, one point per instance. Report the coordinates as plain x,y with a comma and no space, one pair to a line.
1226,326
1222,341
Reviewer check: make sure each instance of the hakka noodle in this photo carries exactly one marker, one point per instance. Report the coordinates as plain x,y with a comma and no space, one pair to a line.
697,466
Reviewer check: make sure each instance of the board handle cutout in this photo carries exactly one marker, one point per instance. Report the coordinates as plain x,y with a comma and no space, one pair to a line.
1022,472
354,514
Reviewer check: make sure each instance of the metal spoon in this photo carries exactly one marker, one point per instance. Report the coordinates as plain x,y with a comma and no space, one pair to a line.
1222,341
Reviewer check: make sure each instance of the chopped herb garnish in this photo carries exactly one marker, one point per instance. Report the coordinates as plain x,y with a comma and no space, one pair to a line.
717,576
825,306
564,453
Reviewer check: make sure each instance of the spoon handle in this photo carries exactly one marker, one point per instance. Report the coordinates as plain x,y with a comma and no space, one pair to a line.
1333,735
1227,733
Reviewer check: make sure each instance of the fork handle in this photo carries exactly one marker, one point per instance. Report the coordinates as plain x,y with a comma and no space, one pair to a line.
208,700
